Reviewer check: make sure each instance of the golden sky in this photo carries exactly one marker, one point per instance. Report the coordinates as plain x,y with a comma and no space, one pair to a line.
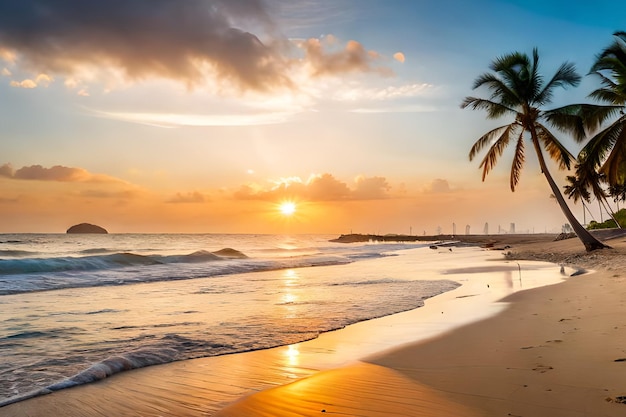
205,115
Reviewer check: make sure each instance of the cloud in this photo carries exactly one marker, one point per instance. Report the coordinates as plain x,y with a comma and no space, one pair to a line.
124,194
189,197
383,94
6,170
373,188
172,120
439,186
324,187
145,38
399,56
324,59
42,79
27,83
227,45
56,173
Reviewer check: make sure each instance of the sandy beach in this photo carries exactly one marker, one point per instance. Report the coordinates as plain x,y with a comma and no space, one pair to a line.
557,350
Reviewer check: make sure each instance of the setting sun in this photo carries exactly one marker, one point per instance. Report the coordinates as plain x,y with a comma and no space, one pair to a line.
287,208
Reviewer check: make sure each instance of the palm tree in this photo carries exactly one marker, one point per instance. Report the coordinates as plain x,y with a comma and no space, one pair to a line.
518,90
588,178
606,151
618,192
576,190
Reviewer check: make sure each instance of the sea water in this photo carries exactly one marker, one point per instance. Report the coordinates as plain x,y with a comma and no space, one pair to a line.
78,308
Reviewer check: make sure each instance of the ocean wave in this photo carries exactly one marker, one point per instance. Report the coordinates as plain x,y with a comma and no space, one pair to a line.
104,262
31,275
16,253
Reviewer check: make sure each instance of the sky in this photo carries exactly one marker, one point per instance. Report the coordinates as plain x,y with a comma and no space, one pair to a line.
204,116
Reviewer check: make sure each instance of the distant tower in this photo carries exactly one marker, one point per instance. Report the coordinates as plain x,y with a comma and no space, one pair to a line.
467,229
499,229
438,230
486,229
453,229
512,229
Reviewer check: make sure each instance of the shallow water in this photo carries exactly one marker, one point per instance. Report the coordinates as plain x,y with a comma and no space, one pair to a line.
63,327
201,387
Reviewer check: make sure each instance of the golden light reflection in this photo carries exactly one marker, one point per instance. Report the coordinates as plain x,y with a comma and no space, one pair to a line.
289,298
292,352
291,277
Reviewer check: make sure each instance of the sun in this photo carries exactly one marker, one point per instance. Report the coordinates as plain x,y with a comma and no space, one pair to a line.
287,208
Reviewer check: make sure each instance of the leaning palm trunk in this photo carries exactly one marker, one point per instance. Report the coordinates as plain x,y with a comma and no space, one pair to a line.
517,89
588,240
607,208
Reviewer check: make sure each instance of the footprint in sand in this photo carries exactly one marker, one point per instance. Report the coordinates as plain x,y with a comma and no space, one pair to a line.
542,368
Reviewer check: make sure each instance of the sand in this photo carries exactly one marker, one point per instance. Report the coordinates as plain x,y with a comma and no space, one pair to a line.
555,351
558,350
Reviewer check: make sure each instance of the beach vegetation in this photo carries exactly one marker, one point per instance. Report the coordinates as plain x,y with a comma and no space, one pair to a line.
606,150
587,179
519,91
618,220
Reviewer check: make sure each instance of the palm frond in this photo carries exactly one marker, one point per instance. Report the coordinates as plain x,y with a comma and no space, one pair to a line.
499,90
576,189
616,50
555,149
514,69
488,138
518,161
608,95
495,151
595,152
615,165
579,120
494,109
565,76
568,119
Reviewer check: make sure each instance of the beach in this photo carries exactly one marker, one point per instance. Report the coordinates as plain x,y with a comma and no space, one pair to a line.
555,350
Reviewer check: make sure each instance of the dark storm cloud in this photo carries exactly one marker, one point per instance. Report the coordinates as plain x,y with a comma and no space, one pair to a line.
168,38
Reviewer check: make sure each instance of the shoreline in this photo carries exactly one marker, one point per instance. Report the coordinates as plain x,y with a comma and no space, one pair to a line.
555,351
400,378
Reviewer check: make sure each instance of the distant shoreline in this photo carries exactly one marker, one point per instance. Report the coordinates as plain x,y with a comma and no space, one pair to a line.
479,240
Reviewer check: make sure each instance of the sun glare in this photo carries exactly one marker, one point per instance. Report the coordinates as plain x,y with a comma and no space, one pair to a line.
287,208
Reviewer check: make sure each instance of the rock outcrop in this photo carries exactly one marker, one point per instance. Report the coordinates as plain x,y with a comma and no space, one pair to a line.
86,228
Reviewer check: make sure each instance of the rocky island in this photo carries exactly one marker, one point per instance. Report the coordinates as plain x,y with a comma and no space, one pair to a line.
87,228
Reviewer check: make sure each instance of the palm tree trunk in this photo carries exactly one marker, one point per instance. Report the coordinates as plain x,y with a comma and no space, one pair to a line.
584,214
607,208
587,239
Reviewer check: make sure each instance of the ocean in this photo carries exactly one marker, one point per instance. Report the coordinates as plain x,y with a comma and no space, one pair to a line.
78,308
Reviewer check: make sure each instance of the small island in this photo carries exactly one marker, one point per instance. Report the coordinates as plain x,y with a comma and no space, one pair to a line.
87,228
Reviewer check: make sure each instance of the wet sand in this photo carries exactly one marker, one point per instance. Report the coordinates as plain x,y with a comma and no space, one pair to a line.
549,351
555,351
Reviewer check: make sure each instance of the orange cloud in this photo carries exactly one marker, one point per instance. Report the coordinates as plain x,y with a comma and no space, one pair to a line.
374,188
323,187
56,173
439,186
399,56
190,197
324,59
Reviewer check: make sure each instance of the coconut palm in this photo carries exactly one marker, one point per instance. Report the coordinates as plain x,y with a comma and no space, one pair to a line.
589,179
518,90
606,151
576,190
618,192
